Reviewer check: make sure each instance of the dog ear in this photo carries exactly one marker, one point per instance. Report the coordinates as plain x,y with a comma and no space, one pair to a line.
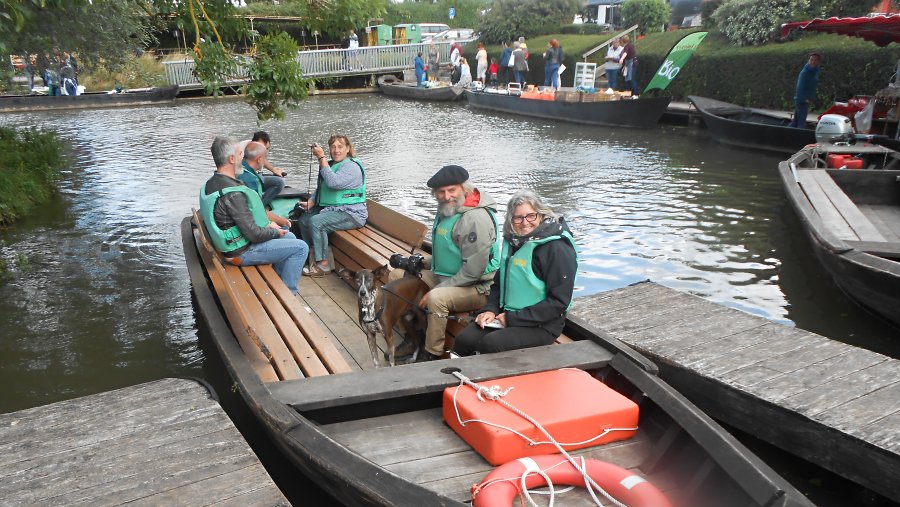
347,276
380,272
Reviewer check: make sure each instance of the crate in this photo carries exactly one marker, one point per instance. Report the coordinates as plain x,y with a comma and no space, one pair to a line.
568,96
598,97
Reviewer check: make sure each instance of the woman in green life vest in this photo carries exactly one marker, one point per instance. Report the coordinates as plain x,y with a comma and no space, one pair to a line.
534,285
339,202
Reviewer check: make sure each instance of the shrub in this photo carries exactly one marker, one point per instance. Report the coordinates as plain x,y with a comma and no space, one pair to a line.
839,8
650,15
510,19
707,9
138,72
582,29
755,22
30,161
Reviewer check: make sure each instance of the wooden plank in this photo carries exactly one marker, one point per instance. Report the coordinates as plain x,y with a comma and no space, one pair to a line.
396,224
253,315
855,383
778,340
809,385
784,364
884,218
865,410
881,249
385,383
847,208
348,357
165,435
400,245
373,243
244,486
883,432
216,273
830,216
358,251
314,336
303,353
342,260
347,332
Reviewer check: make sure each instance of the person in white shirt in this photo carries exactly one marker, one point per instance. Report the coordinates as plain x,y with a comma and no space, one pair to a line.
482,58
612,65
353,54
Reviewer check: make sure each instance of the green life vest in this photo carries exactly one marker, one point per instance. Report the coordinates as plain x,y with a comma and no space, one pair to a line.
253,179
519,286
446,259
230,239
328,196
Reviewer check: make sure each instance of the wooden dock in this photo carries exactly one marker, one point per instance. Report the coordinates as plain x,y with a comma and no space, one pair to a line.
161,443
833,404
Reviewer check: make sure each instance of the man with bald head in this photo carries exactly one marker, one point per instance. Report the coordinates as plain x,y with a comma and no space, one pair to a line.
250,173
238,223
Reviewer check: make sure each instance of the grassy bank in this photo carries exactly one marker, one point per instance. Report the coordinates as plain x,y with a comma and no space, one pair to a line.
762,76
30,161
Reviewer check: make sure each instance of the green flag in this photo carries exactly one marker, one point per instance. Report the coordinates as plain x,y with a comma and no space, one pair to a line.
675,60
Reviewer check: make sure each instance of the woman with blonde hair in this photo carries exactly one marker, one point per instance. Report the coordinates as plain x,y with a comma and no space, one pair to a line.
339,202
481,57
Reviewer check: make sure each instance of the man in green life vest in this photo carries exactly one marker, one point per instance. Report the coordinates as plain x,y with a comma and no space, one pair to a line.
465,255
248,173
530,295
237,224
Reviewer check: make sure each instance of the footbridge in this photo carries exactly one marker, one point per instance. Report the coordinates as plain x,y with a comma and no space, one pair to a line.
325,63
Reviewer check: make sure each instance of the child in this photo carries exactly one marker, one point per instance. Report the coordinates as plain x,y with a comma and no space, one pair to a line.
493,70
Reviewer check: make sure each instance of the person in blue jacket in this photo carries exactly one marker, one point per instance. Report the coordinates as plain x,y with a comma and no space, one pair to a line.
505,70
807,82
420,70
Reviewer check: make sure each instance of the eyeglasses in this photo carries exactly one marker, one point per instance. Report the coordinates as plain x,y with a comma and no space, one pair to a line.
531,217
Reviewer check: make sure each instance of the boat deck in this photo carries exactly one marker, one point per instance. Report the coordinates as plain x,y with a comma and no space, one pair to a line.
833,404
160,443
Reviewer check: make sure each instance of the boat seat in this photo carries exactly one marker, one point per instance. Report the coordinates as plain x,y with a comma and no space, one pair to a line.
276,332
835,209
386,232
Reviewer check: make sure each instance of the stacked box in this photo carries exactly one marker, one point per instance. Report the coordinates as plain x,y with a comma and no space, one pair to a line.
599,97
568,96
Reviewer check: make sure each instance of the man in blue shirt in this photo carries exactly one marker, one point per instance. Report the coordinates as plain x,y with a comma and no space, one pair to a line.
807,82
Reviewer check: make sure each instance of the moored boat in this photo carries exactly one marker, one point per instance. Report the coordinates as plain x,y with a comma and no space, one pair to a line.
643,112
748,127
90,100
852,218
390,85
377,436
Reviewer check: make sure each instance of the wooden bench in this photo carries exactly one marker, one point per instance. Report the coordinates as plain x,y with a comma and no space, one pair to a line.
387,232
835,209
275,331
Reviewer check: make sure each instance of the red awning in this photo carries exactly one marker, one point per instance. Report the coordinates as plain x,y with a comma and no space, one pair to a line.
881,29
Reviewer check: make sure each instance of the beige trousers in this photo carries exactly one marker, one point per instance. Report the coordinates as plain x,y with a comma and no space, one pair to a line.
441,303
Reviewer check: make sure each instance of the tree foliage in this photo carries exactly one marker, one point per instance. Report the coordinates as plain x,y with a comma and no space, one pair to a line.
650,15
839,8
755,22
510,19
468,12
273,74
332,17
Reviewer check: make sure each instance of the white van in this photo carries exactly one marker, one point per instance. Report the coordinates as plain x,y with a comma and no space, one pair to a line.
431,29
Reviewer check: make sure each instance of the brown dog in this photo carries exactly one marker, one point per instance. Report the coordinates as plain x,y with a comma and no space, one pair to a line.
381,307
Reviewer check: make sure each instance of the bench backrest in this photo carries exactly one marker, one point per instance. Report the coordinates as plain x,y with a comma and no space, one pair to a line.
396,224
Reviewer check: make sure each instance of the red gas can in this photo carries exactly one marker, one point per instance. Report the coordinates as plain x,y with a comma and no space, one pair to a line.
572,405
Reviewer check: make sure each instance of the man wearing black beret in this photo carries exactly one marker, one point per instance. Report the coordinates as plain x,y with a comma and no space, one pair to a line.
465,255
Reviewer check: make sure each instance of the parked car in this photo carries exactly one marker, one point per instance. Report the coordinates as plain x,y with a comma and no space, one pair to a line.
452,34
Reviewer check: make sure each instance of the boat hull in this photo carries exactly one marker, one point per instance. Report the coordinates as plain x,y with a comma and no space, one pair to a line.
753,135
396,88
870,280
28,103
643,113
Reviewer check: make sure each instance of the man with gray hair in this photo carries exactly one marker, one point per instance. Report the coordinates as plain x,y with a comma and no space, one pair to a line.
465,255
238,225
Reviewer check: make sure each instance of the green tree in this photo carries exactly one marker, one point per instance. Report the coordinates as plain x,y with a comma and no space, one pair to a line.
510,19
468,12
332,17
650,15
838,8
272,73
755,22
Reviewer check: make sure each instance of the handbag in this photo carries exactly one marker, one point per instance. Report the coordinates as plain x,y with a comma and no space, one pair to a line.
512,62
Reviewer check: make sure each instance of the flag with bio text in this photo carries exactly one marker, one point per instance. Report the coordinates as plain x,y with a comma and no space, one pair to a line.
675,60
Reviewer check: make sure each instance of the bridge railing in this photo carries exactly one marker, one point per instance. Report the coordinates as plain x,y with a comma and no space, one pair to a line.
333,62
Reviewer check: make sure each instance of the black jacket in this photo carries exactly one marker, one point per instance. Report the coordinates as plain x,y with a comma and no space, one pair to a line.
232,209
556,264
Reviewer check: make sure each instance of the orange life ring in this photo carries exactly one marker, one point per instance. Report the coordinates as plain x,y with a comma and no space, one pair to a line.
501,486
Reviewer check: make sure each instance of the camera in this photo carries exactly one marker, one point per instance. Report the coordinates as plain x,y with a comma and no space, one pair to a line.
412,264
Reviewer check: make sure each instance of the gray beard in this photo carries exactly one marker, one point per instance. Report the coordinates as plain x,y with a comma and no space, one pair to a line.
239,169
448,209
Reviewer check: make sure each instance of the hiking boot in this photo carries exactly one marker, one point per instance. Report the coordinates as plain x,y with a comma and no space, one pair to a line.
402,351
425,356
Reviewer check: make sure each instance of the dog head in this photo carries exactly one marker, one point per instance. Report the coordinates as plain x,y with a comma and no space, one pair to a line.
366,289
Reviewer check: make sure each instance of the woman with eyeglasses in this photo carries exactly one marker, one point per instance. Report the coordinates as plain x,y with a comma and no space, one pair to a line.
533,287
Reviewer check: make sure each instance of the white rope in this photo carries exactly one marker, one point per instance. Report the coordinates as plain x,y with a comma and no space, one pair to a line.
496,394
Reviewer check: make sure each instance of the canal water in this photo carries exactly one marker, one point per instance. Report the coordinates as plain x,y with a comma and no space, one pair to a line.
100,298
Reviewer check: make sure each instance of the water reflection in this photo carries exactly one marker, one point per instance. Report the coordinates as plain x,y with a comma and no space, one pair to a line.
106,302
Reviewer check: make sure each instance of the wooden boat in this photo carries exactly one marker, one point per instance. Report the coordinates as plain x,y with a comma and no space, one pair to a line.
90,100
852,218
638,113
376,436
748,127
390,85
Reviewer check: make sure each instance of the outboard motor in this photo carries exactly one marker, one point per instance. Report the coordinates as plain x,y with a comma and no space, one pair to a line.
834,129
